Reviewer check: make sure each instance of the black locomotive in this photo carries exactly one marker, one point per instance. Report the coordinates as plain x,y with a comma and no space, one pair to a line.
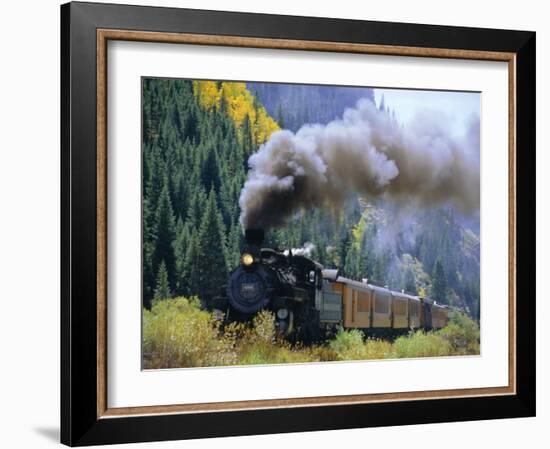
283,283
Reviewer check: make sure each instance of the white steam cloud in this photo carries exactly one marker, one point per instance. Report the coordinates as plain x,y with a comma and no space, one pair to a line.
305,250
366,152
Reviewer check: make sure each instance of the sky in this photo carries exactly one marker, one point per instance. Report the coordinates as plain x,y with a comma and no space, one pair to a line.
461,106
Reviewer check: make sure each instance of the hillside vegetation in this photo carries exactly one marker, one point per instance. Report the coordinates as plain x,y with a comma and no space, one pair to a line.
197,138
177,333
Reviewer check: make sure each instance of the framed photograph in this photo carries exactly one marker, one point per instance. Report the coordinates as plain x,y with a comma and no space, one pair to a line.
282,224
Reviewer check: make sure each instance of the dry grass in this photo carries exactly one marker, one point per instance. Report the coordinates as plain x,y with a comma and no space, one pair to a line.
177,333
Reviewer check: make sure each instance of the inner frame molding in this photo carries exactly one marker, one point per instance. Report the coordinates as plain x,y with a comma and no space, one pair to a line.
105,35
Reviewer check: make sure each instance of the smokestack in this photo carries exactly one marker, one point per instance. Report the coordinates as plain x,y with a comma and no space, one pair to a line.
254,237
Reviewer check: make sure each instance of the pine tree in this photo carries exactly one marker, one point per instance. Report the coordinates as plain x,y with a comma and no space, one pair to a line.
148,247
351,263
410,281
394,279
165,234
212,253
280,116
155,180
196,207
162,290
439,283
190,275
247,135
364,263
234,246
180,250
380,274
210,173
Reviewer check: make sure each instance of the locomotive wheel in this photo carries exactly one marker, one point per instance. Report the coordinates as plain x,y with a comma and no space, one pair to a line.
308,330
285,328
311,333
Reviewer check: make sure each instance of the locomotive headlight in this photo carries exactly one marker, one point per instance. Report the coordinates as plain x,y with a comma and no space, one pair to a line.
247,259
282,314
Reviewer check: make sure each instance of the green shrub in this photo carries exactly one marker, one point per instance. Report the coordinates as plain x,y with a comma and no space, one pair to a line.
177,333
262,354
259,344
377,349
348,345
420,344
324,354
462,333
263,327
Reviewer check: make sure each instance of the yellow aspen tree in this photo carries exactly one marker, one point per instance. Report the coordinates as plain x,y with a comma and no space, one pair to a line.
207,93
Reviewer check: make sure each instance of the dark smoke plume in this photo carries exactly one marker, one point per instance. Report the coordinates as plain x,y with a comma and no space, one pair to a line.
366,152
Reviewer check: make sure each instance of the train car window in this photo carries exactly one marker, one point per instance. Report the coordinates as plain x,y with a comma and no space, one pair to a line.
312,276
414,309
381,303
363,302
400,307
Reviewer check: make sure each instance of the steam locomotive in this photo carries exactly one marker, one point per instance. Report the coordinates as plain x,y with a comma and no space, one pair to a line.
310,302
